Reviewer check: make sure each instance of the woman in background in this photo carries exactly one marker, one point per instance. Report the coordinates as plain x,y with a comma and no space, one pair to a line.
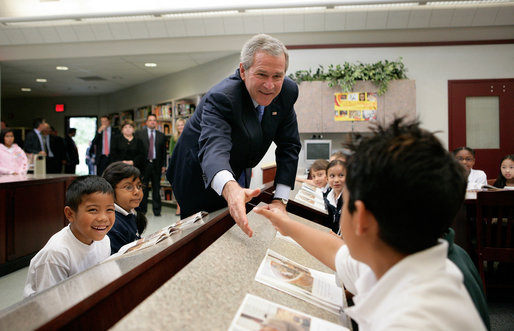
506,177
179,127
466,157
13,160
127,147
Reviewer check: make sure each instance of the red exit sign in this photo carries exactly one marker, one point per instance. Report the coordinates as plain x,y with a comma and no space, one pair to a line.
59,108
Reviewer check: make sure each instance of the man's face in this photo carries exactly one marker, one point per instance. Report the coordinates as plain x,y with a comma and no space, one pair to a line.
105,121
151,122
264,78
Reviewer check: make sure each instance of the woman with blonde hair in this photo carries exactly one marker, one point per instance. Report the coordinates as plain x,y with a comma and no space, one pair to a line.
179,127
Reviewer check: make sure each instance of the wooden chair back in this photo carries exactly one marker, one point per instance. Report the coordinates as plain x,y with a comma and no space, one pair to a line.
494,225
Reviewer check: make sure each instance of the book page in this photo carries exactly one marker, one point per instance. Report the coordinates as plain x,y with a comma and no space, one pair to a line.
257,314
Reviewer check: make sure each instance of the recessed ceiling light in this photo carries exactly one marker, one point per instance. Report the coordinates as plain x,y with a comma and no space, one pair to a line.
26,89
41,80
150,65
61,68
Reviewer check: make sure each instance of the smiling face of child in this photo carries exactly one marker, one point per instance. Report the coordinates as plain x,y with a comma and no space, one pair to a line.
319,178
94,217
336,178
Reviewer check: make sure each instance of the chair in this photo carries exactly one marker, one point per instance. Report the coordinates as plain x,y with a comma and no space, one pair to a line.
494,224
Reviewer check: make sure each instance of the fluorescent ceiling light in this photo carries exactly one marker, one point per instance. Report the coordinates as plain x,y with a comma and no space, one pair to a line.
471,2
61,68
203,13
285,10
64,21
118,18
150,65
26,89
41,80
379,5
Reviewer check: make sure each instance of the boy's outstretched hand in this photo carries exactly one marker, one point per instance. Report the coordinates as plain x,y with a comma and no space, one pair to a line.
277,217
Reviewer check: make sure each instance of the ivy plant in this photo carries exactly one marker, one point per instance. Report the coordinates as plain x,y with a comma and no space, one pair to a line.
345,76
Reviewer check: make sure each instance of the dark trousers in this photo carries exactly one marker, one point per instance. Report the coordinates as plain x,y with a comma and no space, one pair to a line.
102,163
70,168
53,165
152,174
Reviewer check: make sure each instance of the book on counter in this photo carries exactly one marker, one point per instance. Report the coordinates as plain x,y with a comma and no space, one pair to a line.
156,237
310,196
316,287
256,313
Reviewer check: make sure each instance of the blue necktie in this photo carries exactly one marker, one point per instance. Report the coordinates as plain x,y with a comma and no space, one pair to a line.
242,179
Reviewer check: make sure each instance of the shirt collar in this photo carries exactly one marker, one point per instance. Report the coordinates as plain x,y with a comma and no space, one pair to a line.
123,211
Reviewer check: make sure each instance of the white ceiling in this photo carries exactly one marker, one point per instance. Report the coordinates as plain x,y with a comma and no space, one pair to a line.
116,50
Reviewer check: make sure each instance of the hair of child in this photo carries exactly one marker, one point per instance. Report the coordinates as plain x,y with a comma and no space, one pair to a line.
408,181
501,181
85,185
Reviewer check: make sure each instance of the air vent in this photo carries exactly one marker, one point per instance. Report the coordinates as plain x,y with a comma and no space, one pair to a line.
91,78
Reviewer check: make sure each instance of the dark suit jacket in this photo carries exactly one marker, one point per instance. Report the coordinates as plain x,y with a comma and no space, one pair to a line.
97,142
57,147
72,153
224,133
122,149
160,145
32,143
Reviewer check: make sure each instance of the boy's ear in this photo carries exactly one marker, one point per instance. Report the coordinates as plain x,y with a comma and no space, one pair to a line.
69,213
364,221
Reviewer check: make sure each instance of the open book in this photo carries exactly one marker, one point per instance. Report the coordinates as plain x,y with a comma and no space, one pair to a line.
256,313
162,234
310,196
316,287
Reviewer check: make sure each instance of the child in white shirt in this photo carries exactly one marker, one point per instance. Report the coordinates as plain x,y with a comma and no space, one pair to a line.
392,258
83,243
466,157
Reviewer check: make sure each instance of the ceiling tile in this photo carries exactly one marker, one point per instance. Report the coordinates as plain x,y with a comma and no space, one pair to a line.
3,38
213,25
273,23
314,22
138,30
101,31
32,35
84,32
195,27
49,34
252,24
233,24
376,19
157,29
398,19
335,21
119,30
355,20
441,17
486,16
505,16
294,23
175,27
66,33
463,16
15,36
419,18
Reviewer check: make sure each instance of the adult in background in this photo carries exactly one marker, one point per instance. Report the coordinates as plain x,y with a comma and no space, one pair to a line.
179,128
13,160
72,153
231,130
126,147
154,143
56,155
34,143
102,143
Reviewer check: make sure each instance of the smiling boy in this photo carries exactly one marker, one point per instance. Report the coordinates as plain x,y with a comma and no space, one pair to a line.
83,243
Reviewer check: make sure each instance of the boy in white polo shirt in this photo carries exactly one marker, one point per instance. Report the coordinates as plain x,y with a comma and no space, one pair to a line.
83,243
402,192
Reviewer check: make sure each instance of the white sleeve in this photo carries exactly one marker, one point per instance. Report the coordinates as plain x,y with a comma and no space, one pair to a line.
348,269
44,276
220,179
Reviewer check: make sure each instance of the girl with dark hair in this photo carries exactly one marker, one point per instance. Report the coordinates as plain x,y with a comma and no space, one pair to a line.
506,177
466,157
13,160
125,179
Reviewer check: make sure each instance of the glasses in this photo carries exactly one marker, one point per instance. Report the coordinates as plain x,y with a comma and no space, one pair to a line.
467,159
131,188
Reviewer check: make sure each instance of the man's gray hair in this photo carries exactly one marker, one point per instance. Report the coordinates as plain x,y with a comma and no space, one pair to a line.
262,43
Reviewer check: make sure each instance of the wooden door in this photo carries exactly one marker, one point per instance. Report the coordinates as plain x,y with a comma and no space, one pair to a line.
481,116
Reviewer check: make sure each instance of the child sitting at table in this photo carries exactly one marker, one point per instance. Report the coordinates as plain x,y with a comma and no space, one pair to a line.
318,172
83,243
403,189
125,179
466,157
333,197
506,177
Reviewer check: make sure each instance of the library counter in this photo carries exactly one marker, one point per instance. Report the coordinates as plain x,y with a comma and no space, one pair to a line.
207,293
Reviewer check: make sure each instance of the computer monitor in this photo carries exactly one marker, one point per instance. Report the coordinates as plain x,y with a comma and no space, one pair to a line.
317,149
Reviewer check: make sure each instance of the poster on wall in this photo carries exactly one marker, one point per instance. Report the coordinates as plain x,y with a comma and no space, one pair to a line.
355,106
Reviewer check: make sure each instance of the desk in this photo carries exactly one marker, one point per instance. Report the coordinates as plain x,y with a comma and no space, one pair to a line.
464,224
31,211
207,293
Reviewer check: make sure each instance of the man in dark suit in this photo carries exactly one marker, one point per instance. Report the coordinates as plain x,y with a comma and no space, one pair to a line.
102,144
72,153
56,154
34,143
154,143
230,132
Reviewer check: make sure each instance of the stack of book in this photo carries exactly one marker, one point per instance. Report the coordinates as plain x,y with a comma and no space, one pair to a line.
310,196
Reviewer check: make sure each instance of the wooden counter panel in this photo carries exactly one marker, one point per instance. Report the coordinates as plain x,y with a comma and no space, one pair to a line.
3,225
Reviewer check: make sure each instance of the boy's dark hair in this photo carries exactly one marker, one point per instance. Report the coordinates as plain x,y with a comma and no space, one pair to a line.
500,181
458,149
409,182
115,173
336,162
85,185
318,165
3,133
